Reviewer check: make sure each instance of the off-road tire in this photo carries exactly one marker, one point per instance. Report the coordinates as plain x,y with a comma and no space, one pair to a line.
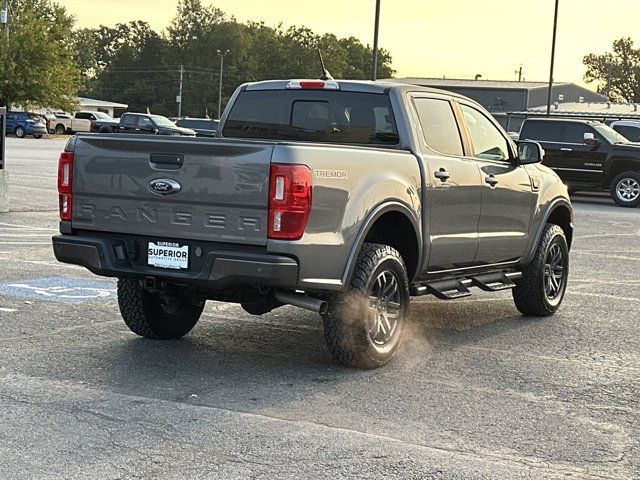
632,177
529,294
144,313
20,132
345,324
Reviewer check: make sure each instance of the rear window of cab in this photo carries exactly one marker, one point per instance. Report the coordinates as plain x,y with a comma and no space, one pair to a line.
313,116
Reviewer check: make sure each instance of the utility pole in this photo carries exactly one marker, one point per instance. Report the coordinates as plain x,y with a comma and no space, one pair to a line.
519,72
179,99
221,55
553,58
376,30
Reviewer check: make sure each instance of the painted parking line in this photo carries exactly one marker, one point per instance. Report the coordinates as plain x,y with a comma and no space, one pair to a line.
8,310
60,289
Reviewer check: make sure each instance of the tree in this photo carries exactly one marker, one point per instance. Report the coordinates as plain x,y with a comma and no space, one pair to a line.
128,65
618,72
132,64
37,66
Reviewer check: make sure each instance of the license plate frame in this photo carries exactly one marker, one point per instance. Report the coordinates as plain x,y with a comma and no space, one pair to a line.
168,255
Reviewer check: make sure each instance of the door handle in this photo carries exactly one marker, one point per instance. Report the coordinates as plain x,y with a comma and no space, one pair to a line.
566,149
491,180
442,174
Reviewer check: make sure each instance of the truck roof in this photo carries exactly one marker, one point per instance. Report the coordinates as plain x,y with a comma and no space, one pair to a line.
562,120
363,86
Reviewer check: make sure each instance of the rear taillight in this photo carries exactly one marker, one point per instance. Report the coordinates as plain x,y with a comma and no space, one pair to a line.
289,200
65,181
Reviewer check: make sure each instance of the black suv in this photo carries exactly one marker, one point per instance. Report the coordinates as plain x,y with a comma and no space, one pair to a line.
589,155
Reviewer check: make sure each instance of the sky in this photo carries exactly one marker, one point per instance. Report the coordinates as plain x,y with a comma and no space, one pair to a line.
427,38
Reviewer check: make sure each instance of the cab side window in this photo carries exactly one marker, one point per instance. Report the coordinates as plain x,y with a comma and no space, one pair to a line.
574,133
130,120
145,122
488,142
439,126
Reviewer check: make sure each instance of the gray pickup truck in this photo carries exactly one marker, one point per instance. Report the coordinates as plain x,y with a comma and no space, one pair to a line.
344,198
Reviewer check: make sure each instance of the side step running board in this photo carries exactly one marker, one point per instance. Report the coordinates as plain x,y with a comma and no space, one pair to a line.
453,289
491,283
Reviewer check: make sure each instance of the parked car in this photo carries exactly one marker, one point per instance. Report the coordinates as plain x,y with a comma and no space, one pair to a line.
23,124
78,123
142,123
341,197
50,121
204,127
589,155
628,128
109,125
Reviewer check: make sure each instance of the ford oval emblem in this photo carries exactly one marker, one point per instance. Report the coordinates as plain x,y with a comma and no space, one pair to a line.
164,186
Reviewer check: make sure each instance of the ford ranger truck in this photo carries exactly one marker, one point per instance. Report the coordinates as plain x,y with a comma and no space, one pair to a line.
344,198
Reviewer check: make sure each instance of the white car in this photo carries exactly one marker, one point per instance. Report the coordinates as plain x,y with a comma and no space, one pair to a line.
78,123
630,129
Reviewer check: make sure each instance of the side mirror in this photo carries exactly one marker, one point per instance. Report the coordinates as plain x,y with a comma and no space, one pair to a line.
591,140
530,152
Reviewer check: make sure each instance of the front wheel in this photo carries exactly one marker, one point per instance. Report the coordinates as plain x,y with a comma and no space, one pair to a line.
156,316
364,326
541,289
37,137
625,189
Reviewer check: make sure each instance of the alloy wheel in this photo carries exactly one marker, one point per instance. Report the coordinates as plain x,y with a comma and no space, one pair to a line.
554,272
385,308
628,189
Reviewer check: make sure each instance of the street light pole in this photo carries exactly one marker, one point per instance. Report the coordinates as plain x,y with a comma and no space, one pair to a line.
376,30
553,58
221,55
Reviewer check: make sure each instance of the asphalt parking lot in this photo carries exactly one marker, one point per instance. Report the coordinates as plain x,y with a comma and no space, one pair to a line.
478,391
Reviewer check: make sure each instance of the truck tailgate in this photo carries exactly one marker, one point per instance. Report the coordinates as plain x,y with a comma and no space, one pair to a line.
205,189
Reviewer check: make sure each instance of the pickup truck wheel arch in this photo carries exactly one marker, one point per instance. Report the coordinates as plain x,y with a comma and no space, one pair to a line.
617,166
411,252
60,129
558,213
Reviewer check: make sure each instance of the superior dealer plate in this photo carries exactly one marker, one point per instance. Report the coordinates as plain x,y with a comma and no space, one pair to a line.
168,255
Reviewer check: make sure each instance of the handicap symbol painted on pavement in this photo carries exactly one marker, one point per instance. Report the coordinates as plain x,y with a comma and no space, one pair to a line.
60,289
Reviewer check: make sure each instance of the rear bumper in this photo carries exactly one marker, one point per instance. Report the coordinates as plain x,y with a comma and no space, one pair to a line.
36,130
215,268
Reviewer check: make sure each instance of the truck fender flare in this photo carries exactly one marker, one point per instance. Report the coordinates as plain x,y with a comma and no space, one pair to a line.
558,202
610,165
374,215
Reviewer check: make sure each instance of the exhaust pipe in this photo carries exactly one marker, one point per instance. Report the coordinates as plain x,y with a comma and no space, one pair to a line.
303,301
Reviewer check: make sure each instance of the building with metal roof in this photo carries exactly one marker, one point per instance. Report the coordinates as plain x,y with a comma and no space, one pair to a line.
506,96
92,104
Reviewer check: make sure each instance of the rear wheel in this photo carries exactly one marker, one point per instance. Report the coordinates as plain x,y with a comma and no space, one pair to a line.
625,189
37,136
60,129
152,315
364,326
541,289
20,133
